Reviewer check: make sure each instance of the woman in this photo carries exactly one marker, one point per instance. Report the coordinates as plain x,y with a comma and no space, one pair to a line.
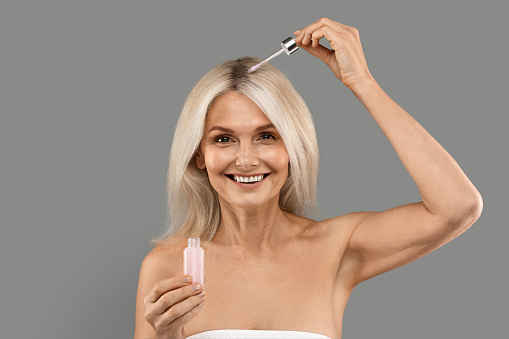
270,272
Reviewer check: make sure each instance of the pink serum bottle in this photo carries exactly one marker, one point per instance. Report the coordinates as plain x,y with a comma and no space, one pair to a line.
194,260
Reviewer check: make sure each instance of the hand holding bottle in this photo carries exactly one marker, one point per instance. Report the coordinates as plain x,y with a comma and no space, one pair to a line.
171,304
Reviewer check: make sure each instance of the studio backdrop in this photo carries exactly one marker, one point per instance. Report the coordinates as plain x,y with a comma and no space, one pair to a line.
90,95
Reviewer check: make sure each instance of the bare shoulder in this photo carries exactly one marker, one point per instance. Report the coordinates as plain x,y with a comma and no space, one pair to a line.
163,262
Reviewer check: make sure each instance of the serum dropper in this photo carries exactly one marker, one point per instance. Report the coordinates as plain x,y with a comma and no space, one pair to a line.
288,46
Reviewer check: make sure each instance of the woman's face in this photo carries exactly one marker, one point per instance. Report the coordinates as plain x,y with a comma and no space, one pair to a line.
240,141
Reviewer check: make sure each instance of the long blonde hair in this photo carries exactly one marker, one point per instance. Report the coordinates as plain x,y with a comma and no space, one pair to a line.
193,205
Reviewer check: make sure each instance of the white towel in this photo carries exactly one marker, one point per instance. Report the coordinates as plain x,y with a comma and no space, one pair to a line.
256,334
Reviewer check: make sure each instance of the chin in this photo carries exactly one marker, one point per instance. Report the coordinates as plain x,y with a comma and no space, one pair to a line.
251,202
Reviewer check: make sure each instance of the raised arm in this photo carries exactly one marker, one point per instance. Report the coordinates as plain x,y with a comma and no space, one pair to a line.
381,241
450,203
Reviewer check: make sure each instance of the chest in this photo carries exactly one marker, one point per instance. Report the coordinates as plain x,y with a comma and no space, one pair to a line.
289,289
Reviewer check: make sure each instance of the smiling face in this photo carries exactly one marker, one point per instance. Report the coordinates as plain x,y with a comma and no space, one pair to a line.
239,140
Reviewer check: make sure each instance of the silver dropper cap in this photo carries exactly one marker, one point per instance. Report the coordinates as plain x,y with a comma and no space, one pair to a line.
289,45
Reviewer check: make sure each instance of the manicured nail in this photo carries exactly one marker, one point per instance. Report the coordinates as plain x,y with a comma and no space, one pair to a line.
202,294
186,280
197,287
297,32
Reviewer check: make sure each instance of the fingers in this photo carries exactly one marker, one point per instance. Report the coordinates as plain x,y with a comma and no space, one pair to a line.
338,35
315,48
169,292
320,33
180,314
338,27
321,52
324,27
171,299
164,286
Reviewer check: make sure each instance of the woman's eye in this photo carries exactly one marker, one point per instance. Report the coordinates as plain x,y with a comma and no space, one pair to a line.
222,139
268,135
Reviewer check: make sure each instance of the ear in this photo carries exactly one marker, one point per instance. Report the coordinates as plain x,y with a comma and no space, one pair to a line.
200,159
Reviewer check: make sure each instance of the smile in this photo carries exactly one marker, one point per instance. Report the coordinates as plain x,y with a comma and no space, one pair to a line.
248,181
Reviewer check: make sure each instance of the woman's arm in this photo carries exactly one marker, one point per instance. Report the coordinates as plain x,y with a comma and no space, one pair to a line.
450,203
382,241
445,190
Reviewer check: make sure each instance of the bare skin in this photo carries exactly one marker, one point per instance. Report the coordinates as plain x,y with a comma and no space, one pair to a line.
268,269
295,286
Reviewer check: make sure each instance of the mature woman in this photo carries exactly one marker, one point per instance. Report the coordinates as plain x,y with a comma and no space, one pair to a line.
243,170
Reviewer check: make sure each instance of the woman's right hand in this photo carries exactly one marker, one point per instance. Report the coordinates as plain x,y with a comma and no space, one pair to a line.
171,304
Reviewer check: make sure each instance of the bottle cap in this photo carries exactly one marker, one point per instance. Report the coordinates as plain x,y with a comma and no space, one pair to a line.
289,45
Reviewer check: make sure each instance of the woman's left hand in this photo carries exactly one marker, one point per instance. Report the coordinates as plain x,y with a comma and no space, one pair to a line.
346,59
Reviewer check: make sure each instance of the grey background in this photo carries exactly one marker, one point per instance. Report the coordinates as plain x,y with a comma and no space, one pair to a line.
90,94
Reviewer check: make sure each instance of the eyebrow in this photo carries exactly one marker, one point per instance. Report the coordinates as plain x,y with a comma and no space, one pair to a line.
227,130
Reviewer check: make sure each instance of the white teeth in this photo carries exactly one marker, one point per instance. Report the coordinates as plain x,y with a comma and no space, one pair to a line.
248,179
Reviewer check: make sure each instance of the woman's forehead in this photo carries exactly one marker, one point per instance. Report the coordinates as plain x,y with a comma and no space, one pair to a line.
235,108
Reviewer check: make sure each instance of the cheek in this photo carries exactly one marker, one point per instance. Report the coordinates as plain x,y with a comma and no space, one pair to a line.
278,158
216,161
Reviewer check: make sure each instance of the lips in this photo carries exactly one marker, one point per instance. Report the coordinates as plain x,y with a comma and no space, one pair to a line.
247,185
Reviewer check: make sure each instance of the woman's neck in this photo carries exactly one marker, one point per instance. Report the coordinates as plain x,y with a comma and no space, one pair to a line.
256,230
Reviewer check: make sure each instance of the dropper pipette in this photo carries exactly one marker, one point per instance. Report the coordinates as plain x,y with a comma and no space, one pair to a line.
288,46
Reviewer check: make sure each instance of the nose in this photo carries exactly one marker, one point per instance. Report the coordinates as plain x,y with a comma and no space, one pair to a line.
247,156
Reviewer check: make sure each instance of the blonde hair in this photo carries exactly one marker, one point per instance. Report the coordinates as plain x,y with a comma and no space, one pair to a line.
193,204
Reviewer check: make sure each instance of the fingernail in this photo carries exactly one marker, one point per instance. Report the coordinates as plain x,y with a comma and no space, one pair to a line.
202,294
197,287
297,32
186,280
